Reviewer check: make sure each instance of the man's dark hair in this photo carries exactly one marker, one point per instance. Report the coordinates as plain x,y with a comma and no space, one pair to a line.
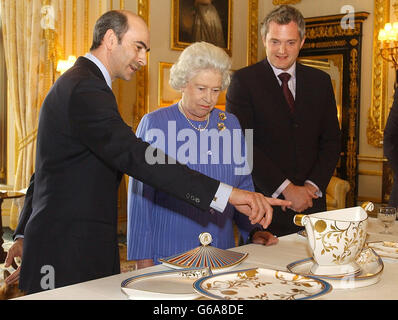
115,20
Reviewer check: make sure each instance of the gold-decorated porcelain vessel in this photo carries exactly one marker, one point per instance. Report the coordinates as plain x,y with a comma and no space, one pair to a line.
336,238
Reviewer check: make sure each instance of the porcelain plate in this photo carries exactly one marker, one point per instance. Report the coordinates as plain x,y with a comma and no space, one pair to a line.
387,249
261,284
371,269
164,285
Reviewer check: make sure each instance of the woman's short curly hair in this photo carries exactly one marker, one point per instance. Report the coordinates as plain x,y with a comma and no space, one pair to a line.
196,57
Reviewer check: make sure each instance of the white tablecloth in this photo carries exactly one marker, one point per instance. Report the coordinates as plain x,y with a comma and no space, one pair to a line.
289,249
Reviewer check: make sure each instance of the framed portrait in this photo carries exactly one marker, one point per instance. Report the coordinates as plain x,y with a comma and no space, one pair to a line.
168,96
201,20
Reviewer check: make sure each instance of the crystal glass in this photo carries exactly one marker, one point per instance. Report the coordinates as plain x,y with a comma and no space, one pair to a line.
387,216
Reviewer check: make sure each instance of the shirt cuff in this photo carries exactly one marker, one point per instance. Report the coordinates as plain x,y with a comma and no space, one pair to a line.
18,236
281,188
319,192
221,197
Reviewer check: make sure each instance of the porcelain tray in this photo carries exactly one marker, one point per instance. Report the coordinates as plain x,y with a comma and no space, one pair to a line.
261,284
371,269
164,285
387,249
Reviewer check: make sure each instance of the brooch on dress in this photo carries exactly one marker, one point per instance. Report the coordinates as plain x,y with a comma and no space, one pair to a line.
221,126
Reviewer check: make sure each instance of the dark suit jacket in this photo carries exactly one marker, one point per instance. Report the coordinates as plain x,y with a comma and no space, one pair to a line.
83,147
26,211
301,146
390,146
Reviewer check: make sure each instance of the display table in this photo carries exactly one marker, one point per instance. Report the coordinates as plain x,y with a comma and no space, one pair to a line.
289,249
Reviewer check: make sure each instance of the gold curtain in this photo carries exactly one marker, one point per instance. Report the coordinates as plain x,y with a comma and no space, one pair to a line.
30,75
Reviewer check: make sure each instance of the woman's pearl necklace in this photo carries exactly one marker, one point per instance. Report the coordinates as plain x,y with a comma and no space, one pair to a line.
192,125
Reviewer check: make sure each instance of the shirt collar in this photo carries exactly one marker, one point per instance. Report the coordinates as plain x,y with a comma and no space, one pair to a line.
291,70
100,65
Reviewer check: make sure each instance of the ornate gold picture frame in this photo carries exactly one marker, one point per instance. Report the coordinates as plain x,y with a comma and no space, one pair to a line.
166,95
142,88
201,20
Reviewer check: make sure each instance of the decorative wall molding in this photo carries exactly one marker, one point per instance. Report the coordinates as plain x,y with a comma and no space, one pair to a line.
3,112
279,2
86,29
376,173
362,158
378,111
142,76
252,36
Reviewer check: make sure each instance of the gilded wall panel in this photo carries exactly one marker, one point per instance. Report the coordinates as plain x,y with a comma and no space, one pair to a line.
279,2
378,111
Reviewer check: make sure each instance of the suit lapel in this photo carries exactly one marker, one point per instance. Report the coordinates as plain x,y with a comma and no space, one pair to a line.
300,88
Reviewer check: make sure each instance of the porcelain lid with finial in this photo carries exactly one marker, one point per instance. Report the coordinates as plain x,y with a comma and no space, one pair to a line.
205,256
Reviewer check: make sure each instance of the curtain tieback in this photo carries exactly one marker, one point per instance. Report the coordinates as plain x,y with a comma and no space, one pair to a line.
27,140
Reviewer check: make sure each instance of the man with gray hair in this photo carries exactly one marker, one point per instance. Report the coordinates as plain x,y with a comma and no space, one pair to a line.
292,110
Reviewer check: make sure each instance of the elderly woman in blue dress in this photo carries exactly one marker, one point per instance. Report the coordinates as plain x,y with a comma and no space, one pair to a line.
208,140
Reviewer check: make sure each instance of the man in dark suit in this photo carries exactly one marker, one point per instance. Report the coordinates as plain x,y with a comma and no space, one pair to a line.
292,111
390,146
83,148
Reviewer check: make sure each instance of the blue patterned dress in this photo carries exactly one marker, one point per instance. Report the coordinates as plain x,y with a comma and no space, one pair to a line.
160,225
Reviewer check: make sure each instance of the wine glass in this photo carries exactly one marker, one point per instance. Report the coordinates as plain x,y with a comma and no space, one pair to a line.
387,216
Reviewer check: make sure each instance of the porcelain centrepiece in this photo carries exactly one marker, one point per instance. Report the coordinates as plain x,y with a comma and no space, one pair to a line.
205,255
335,238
